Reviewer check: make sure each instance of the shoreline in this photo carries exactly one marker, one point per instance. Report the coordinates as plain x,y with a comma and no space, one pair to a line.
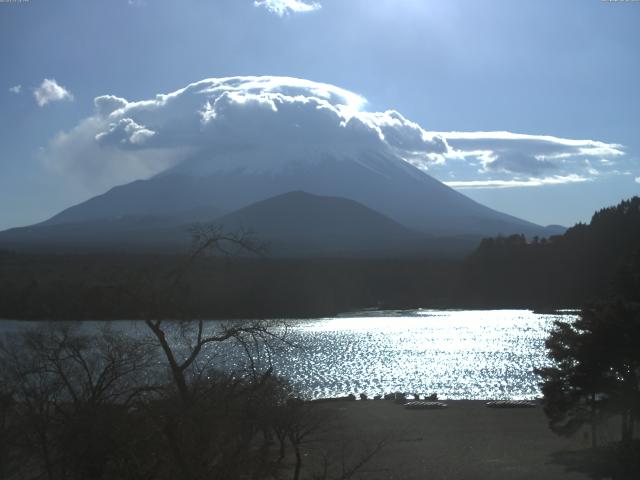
467,440
536,400
319,316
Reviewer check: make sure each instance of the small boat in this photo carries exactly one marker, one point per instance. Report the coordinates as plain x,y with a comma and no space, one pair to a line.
511,404
422,405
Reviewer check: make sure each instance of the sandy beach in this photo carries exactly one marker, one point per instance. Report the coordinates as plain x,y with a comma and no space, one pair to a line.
467,440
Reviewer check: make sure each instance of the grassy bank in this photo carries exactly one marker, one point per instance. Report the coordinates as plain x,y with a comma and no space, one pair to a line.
467,440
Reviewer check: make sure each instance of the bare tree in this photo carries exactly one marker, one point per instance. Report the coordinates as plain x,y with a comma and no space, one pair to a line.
85,404
195,428
69,390
7,406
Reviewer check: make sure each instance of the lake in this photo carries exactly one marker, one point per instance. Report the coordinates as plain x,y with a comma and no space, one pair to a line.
458,354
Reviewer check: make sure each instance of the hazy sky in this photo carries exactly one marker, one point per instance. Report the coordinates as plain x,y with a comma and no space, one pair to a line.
537,101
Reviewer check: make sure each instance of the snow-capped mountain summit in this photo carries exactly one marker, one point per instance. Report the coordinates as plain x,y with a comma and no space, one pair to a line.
225,144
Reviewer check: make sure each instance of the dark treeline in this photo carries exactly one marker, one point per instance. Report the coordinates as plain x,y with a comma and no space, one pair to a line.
565,271
118,286
598,260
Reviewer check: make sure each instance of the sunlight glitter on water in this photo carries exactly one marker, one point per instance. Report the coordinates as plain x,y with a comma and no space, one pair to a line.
456,354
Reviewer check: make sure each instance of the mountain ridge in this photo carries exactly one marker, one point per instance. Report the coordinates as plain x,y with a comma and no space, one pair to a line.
206,188
302,223
294,223
380,181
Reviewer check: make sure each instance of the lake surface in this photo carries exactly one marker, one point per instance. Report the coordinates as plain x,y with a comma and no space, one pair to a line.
468,354
456,354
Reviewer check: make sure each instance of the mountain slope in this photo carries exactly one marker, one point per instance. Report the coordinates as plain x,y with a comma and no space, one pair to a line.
175,196
378,180
128,233
301,223
291,224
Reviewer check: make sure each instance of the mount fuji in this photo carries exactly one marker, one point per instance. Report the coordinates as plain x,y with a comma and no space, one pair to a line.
242,140
157,212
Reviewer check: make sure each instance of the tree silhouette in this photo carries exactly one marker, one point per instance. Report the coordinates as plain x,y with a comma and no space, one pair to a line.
597,370
587,262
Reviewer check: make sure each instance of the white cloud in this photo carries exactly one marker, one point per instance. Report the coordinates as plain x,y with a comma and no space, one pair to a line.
16,89
78,157
50,91
107,104
637,179
285,7
126,132
531,182
214,119
498,159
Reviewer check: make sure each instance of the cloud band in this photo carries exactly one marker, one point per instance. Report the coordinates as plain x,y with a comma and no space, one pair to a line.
208,119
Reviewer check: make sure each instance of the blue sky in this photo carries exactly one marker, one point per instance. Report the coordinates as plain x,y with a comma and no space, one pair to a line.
562,75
